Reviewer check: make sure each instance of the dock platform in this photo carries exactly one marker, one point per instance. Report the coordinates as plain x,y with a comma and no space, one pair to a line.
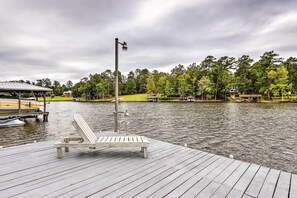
24,115
33,170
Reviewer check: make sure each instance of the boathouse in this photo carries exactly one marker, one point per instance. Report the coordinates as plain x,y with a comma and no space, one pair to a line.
17,90
188,99
152,98
67,94
250,97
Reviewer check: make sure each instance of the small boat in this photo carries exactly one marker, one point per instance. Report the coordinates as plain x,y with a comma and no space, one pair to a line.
11,122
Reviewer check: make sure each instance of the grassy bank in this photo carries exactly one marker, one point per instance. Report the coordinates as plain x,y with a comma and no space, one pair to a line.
56,98
135,97
125,98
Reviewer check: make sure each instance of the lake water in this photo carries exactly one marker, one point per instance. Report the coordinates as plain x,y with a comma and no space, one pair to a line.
264,134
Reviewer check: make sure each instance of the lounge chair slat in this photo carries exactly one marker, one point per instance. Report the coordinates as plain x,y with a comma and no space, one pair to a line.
84,130
100,139
104,139
108,140
139,139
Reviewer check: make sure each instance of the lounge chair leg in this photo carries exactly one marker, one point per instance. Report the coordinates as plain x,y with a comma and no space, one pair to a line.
144,152
59,152
66,141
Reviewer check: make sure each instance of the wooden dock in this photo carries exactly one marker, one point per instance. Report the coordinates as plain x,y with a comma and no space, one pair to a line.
24,115
33,170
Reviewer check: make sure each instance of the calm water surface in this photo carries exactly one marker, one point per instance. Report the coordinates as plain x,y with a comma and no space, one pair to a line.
264,134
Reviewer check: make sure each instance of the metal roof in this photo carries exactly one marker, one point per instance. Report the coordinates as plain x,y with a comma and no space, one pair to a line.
15,86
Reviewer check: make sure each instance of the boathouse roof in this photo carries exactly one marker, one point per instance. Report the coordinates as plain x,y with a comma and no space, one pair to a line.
24,87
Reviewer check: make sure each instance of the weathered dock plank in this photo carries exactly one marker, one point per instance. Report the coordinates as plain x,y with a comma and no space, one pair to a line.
293,186
139,176
170,171
197,180
242,184
186,185
283,185
217,181
256,184
165,189
150,180
270,182
228,184
193,169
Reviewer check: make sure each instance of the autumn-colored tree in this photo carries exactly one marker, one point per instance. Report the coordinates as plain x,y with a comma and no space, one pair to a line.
279,79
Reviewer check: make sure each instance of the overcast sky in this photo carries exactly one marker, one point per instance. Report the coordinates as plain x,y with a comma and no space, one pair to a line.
70,39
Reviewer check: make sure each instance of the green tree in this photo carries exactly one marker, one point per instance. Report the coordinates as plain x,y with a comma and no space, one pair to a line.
176,72
100,90
168,88
195,74
268,61
45,82
131,86
57,88
69,84
205,86
161,85
141,80
242,75
184,85
291,66
219,73
107,80
279,79
150,85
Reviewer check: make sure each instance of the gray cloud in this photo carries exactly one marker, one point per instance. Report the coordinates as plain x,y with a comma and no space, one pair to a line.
64,39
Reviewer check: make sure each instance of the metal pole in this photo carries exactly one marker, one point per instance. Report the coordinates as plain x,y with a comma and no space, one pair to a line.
44,102
44,107
116,75
19,99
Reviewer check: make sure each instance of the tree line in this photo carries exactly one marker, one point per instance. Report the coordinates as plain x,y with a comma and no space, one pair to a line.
213,78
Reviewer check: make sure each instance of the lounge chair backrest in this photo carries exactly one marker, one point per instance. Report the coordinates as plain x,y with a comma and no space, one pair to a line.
83,129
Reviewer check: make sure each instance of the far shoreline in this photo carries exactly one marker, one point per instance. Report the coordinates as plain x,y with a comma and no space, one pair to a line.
163,101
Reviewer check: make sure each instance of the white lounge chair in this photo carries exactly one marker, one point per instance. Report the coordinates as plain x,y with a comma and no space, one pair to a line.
89,139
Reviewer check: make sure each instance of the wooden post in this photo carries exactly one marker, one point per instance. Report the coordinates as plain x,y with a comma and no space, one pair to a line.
144,152
36,96
66,141
59,152
19,94
44,106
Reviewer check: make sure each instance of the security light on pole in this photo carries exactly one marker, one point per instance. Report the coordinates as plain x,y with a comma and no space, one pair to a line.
116,75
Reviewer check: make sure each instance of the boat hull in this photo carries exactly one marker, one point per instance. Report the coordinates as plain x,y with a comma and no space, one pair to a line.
11,123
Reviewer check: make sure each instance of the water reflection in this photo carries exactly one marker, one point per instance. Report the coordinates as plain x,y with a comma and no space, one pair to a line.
260,133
